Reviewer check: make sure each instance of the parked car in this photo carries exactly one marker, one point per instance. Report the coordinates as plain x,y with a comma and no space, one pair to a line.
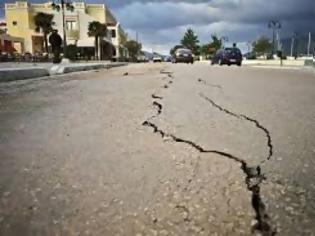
168,59
183,55
228,56
141,58
157,58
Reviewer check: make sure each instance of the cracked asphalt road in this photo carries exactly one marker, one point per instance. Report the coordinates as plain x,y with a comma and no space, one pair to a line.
159,149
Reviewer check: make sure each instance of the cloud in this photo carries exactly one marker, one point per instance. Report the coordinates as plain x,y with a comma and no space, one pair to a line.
164,22
161,23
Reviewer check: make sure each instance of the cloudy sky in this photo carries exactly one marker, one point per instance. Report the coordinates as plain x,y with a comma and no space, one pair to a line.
160,24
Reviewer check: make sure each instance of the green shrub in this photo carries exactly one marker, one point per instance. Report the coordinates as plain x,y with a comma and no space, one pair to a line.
71,52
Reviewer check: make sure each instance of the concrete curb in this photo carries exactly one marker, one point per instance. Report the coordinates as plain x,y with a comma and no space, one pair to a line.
68,68
310,63
273,63
10,74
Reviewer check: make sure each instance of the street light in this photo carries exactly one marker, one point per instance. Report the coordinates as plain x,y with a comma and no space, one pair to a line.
274,25
294,35
65,5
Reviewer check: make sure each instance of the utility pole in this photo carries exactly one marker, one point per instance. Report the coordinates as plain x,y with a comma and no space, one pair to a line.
279,44
274,25
248,47
292,43
309,44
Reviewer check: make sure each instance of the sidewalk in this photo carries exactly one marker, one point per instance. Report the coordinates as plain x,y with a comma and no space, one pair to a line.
292,63
10,71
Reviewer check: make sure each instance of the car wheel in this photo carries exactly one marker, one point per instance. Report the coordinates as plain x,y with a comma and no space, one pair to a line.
239,64
229,64
220,62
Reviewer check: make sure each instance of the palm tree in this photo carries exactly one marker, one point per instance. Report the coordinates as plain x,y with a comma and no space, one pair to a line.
43,23
97,30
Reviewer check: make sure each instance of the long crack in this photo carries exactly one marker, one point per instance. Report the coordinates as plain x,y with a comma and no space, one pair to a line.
244,117
254,177
208,84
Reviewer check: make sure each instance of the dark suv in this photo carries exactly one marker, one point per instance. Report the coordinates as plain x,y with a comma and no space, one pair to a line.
183,55
228,56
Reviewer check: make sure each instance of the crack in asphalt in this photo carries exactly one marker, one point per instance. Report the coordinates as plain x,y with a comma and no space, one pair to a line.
208,84
156,96
159,107
166,72
253,178
186,217
244,117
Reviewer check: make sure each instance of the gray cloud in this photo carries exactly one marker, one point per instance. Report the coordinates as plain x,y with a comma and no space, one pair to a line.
164,22
161,23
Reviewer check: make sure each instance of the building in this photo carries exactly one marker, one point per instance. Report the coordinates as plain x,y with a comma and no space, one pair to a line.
19,18
10,44
3,27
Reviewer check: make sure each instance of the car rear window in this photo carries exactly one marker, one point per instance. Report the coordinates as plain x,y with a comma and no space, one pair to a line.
183,51
233,50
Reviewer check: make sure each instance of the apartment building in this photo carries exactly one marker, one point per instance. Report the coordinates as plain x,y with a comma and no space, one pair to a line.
19,18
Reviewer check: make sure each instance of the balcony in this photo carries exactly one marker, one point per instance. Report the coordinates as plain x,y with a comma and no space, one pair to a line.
73,34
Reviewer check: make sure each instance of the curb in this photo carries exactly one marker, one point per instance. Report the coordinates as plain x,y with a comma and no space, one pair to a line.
11,74
64,68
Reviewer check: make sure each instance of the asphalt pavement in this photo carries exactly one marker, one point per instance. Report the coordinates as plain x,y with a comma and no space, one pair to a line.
159,149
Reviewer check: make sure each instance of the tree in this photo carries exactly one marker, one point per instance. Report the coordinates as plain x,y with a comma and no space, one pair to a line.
43,23
97,30
211,47
72,51
261,45
173,50
134,48
122,41
55,42
190,41
216,43
207,49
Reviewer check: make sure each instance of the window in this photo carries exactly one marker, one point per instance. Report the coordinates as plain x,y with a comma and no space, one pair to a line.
113,33
71,25
14,23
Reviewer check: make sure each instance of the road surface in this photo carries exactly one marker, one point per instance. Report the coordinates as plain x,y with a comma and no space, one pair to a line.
159,149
